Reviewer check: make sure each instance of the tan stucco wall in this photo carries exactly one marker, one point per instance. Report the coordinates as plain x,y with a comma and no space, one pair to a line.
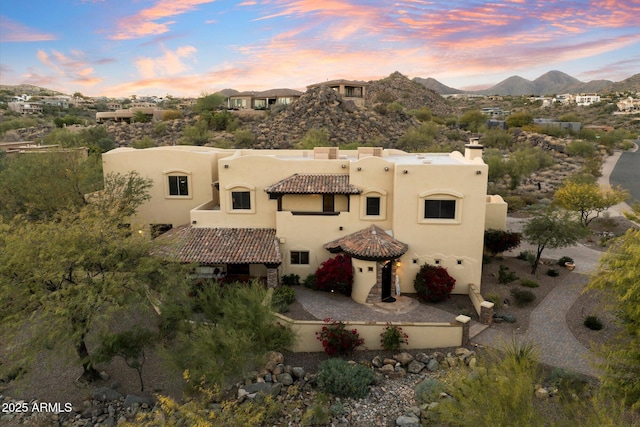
456,244
496,213
199,163
363,279
421,335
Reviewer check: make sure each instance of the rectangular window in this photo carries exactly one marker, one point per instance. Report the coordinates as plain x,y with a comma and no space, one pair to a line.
241,199
327,203
178,185
440,209
299,257
373,206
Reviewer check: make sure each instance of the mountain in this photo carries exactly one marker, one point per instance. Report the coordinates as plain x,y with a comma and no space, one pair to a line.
412,95
631,84
436,86
552,82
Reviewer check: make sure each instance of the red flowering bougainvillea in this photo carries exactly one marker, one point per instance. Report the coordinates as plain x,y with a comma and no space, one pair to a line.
433,283
337,340
335,274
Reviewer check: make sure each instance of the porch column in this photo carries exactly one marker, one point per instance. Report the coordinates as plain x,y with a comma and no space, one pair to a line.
272,276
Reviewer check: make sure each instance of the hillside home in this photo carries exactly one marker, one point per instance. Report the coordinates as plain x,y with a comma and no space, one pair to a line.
350,90
267,213
587,99
262,100
24,107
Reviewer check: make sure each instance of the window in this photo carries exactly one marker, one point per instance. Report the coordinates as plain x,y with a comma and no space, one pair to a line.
373,206
299,257
241,199
328,203
440,209
178,185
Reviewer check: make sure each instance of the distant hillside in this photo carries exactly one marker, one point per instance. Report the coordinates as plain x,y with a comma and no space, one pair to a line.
29,90
412,95
632,84
550,83
436,86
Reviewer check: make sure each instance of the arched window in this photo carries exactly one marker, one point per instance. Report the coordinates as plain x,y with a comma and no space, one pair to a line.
177,184
440,207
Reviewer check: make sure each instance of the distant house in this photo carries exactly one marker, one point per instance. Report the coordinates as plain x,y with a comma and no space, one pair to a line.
350,90
573,126
24,107
262,100
587,99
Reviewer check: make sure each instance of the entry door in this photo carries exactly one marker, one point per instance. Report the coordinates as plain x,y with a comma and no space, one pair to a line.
328,203
386,282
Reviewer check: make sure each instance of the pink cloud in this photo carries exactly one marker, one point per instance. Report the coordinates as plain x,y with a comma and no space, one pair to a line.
16,32
73,67
144,23
170,63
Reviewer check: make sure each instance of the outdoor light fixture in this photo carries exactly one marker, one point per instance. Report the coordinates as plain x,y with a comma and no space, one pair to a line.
226,166
478,172
359,169
405,171
344,166
386,168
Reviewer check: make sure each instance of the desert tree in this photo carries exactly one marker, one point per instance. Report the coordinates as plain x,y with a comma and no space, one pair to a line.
619,275
551,229
65,275
588,199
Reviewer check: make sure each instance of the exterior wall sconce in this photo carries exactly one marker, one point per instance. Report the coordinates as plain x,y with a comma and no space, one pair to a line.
386,168
405,171
398,263
359,169
194,222
344,166
341,228
478,172
226,166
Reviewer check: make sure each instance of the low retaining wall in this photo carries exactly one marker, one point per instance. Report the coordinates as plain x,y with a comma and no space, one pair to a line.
421,335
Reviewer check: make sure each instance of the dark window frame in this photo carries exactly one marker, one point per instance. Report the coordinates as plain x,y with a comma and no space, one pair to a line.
440,209
299,257
178,185
241,200
375,208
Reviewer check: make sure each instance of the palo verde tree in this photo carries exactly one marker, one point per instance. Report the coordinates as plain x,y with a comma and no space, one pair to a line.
65,275
551,229
588,199
39,185
619,275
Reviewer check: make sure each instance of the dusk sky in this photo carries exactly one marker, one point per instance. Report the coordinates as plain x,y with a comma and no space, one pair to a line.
120,48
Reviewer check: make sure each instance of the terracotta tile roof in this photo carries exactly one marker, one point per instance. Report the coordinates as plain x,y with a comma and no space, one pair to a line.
221,245
314,184
371,244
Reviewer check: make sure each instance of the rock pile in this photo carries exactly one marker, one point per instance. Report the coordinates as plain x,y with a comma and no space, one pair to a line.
410,94
324,108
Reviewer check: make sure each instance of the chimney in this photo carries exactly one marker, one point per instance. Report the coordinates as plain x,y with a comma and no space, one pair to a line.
473,149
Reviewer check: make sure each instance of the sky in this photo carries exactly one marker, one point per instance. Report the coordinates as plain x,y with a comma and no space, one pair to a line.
119,48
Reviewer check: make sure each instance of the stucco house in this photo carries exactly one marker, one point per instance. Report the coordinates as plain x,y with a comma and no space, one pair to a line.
350,90
267,213
262,100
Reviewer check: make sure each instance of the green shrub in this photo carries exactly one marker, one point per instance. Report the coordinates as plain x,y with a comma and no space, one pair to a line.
522,297
393,337
282,298
514,203
567,382
310,281
291,280
593,323
553,272
563,260
496,299
244,138
505,275
343,379
528,283
428,391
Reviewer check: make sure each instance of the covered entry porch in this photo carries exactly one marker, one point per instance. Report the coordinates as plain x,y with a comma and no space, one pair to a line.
373,254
